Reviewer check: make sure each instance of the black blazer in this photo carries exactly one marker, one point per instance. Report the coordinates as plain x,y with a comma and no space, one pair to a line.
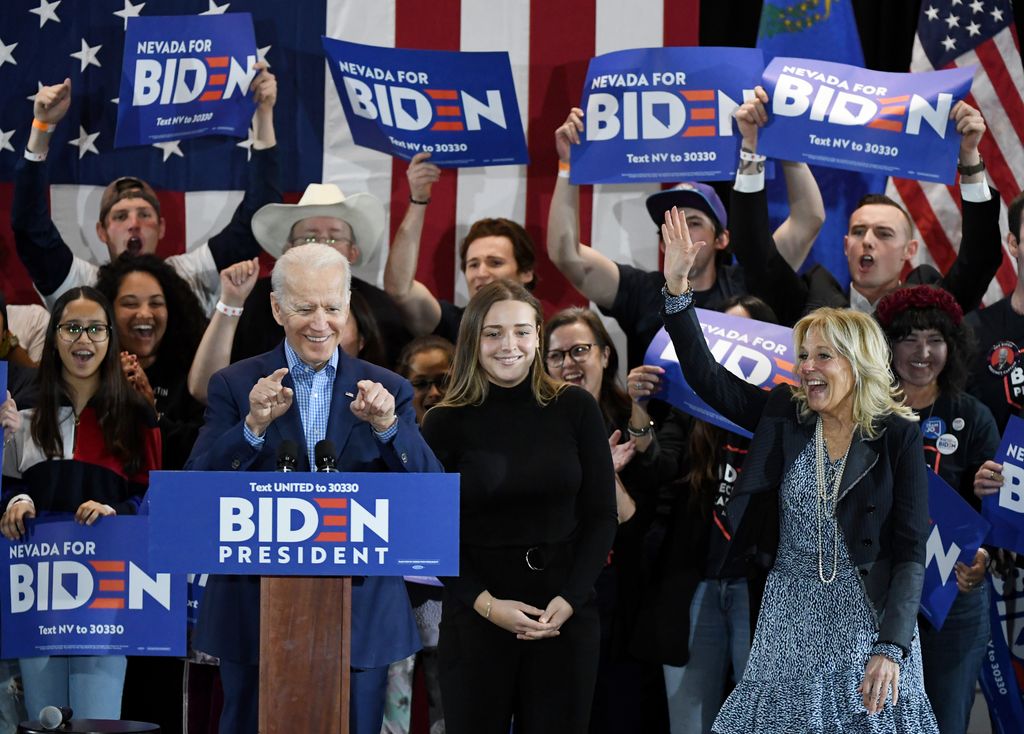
883,497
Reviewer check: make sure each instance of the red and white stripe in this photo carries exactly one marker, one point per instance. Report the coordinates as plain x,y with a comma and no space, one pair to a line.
996,92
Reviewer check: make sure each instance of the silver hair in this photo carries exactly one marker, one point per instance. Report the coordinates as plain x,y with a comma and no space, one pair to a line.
298,262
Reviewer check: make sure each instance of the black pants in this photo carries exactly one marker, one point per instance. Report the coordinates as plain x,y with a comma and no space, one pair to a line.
488,677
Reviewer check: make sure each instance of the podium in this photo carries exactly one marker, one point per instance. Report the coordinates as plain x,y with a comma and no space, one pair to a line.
305,534
305,631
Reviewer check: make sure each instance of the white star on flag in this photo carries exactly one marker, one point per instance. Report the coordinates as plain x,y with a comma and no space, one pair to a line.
85,142
46,11
247,144
129,11
7,52
216,9
87,55
5,140
115,100
977,6
261,54
953,20
932,13
949,43
32,97
997,15
172,147
974,29
957,2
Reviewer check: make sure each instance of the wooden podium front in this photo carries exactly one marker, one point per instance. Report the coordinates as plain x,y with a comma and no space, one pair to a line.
305,627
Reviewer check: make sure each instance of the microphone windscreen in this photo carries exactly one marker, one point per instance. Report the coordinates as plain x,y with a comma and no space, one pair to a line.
324,453
288,449
53,717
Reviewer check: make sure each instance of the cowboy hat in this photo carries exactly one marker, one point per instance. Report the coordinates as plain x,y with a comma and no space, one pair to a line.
272,224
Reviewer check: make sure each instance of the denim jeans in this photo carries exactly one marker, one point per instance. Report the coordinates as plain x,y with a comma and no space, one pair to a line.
12,707
952,658
719,638
90,685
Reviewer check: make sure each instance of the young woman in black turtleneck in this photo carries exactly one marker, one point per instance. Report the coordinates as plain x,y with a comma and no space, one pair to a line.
519,629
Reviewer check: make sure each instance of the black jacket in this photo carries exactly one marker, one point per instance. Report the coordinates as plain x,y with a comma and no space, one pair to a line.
791,295
883,497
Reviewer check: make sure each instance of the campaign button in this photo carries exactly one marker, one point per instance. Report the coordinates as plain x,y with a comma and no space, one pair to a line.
933,427
946,444
958,424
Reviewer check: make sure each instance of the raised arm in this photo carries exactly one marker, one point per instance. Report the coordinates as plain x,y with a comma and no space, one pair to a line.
40,247
591,273
981,251
419,307
214,351
733,397
795,236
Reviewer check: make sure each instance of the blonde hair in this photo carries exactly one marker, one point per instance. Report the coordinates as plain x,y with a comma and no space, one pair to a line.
469,383
857,337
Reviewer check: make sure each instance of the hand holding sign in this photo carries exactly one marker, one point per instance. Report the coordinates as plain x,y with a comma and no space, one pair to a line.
264,87
268,401
988,479
644,381
421,176
970,577
971,126
751,116
680,252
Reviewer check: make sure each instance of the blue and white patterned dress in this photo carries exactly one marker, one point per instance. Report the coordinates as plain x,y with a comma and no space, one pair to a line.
813,640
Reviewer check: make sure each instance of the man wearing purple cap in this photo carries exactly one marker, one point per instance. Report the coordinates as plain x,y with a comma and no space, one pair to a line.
130,219
632,296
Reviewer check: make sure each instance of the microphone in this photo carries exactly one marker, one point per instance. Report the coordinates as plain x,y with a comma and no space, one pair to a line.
287,456
54,717
324,453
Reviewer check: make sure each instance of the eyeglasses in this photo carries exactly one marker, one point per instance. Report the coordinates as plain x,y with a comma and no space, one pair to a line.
313,239
425,383
578,353
71,332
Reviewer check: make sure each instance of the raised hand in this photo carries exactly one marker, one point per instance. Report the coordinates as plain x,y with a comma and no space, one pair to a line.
568,134
269,399
51,103
422,175
237,281
751,116
680,251
374,404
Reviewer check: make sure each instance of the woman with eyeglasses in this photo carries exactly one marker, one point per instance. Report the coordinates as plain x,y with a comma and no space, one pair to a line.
629,695
519,631
86,449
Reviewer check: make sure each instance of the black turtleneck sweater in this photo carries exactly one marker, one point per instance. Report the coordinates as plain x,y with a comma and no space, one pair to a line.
530,476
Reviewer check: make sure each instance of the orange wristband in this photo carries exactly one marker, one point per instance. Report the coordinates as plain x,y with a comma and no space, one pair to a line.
563,166
41,126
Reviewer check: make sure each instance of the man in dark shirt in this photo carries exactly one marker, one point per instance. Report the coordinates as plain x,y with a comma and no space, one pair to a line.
632,296
997,370
129,217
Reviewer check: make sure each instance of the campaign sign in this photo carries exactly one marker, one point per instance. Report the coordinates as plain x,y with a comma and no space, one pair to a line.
957,533
459,106
843,116
663,114
1005,509
305,524
760,353
88,590
1004,657
186,76
196,590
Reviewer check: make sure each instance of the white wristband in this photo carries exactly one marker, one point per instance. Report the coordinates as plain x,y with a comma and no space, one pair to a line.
229,310
34,157
752,157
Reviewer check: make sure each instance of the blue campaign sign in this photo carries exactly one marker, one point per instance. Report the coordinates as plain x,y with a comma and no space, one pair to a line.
184,77
301,524
663,114
846,117
1005,509
88,590
459,106
760,353
196,590
957,533
1000,682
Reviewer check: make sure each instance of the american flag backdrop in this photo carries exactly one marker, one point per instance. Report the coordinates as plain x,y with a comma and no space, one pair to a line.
954,33
200,181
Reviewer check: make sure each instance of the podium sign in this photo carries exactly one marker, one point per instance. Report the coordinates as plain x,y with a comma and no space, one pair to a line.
304,524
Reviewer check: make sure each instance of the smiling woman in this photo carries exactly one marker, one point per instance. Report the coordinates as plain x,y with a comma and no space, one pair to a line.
86,450
537,518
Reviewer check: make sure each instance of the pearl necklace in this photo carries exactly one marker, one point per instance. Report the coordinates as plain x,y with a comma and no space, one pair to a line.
828,498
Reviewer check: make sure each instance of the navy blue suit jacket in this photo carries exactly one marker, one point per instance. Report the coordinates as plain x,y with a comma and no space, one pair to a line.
383,628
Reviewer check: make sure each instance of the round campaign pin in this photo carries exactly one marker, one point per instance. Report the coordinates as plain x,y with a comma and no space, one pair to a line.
958,424
946,444
933,427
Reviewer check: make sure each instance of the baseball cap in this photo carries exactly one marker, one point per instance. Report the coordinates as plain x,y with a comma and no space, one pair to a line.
127,187
689,193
